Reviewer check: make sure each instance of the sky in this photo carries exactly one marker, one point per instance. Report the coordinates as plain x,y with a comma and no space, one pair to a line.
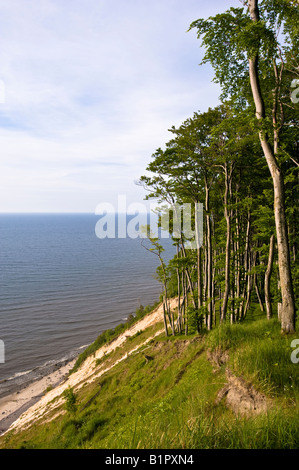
88,91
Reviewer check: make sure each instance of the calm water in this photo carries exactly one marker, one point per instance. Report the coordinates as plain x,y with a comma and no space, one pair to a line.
61,286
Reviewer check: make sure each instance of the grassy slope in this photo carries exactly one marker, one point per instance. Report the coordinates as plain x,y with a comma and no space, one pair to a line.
167,399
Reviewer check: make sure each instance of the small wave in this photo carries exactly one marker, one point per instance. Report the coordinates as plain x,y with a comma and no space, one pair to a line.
22,379
18,375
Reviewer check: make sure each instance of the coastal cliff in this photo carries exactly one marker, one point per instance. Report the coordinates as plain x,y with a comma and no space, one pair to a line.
145,390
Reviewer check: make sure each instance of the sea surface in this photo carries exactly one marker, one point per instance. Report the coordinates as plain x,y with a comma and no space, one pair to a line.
61,286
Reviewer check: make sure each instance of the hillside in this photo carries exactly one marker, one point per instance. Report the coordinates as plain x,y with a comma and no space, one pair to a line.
234,387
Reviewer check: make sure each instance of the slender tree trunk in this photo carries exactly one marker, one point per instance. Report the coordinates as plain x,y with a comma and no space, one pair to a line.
198,261
179,320
287,294
213,273
227,247
220,311
164,319
238,273
205,279
213,300
186,309
209,258
169,314
249,287
255,281
199,285
268,277
258,293
233,260
188,277
246,264
185,299
232,308
167,310
199,288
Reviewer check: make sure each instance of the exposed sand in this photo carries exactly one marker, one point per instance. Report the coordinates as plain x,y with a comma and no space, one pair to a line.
19,410
15,404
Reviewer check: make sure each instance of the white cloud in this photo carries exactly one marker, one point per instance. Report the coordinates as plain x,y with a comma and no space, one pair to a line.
88,83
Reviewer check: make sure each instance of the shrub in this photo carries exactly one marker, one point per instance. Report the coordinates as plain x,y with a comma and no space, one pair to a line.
70,400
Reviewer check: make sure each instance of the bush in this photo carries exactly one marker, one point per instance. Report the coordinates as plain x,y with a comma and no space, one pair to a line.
70,400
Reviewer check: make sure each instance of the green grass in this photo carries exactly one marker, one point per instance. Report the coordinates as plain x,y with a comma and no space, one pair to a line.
260,354
109,335
169,401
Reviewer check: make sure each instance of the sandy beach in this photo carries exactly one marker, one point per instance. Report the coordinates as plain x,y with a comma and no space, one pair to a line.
12,406
20,409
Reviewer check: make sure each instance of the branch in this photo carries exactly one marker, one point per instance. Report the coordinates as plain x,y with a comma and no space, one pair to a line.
296,163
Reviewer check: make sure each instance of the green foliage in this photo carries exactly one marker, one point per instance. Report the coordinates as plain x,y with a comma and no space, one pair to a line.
70,400
48,389
194,318
230,38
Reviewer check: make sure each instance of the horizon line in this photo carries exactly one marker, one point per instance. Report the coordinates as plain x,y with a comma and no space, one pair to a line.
67,213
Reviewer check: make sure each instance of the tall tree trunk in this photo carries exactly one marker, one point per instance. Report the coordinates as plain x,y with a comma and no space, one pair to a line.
186,307
267,278
220,314
165,301
232,308
213,298
164,318
185,299
227,247
188,276
255,280
179,320
246,264
199,286
249,287
209,258
238,273
213,274
233,260
205,279
258,292
287,294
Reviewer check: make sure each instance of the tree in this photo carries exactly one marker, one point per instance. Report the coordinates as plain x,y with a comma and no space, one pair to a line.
156,248
244,45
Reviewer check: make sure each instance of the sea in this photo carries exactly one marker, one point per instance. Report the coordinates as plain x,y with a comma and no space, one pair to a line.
61,286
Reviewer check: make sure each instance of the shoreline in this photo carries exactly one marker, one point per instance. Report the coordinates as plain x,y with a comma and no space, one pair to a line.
20,381
14,404
30,404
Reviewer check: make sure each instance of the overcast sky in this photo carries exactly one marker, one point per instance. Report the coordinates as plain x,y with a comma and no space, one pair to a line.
91,88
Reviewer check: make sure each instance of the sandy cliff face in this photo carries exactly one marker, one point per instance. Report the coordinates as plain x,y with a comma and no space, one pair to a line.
85,374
